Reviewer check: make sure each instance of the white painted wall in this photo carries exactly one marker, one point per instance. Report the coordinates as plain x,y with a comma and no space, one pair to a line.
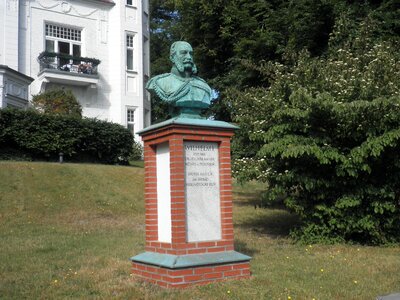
104,28
10,33
163,193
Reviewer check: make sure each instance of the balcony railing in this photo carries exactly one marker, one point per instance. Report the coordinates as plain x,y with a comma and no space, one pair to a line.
68,63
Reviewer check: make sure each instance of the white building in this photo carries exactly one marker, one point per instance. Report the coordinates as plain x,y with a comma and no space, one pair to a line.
76,34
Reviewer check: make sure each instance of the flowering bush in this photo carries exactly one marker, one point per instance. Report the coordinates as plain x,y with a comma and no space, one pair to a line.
57,102
327,132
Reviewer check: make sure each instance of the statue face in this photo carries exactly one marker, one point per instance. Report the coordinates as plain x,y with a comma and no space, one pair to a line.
183,57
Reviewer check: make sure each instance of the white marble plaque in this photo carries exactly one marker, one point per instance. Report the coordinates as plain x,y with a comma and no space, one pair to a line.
203,216
163,193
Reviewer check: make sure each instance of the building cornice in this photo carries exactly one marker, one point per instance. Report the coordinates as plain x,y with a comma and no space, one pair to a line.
105,2
7,69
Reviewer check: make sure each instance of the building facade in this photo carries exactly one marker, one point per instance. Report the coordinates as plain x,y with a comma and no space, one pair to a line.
97,48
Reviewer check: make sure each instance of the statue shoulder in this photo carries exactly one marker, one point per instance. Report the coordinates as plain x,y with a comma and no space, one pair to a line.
200,79
156,80
168,87
200,82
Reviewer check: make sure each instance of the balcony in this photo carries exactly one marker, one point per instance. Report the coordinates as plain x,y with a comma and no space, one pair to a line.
67,69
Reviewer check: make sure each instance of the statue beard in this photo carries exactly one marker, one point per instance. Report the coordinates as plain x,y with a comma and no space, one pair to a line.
181,67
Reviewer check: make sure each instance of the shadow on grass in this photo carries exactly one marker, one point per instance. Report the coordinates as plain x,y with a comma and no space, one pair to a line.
248,198
273,220
275,223
243,248
136,163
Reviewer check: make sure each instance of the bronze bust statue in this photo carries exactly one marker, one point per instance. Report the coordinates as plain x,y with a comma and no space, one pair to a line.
182,88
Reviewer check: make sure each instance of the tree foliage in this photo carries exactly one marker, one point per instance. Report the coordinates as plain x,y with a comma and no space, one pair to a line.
327,134
231,38
57,101
313,85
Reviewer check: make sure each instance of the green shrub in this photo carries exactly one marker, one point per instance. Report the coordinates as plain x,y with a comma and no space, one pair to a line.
43,136
58,102
137,152
328,137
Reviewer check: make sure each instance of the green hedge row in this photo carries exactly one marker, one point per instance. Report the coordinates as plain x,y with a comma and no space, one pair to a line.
31,135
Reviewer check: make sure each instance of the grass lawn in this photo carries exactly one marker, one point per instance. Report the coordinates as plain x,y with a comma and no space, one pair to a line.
67,231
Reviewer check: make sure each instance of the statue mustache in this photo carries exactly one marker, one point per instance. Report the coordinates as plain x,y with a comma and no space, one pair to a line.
181,68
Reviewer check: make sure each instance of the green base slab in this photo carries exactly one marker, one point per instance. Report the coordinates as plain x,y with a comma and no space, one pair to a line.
193,260
182,120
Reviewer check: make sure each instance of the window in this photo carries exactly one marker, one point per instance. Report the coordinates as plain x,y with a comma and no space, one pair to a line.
130,119
63,40
129,2
63,32
129,51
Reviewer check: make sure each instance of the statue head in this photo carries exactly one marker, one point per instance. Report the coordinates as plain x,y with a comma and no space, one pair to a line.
181,55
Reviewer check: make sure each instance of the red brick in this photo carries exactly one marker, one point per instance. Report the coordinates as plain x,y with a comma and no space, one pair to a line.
162,271
193,278
166,245
173,279
151,227
151,222
227,232
178,240
151,269
213,275
179,234
162,284
206,244
179,211
153,237
180,272
181,246
177,177
196,251
146,274
156,276
227,220
141,267
178,205
226,208
203,270
178,222
216,249
246,272
223,268
241,266
155,244
232,273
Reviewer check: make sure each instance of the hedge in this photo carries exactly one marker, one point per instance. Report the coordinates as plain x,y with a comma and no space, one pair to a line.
31,135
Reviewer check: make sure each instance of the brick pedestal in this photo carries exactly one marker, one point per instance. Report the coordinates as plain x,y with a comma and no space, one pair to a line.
171,260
